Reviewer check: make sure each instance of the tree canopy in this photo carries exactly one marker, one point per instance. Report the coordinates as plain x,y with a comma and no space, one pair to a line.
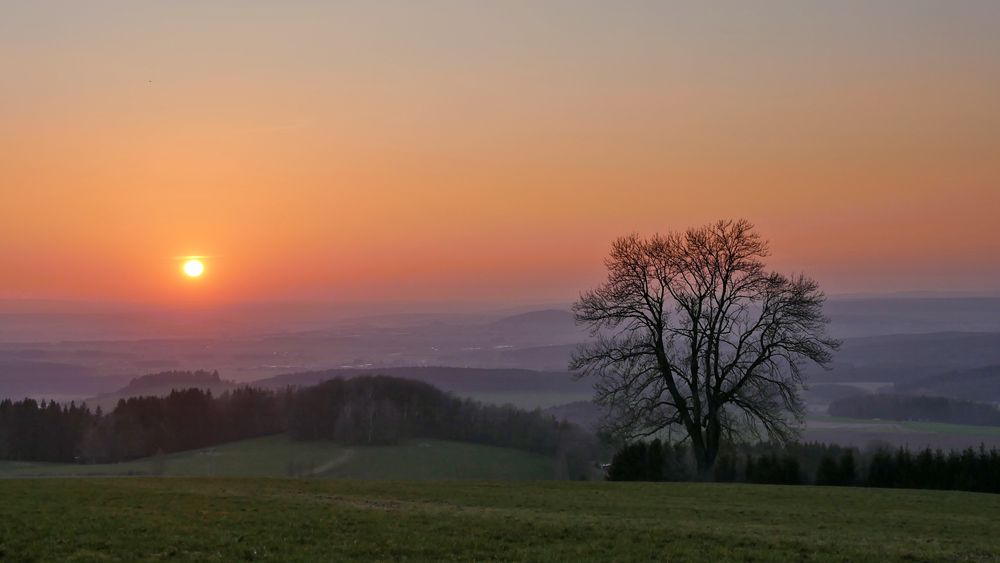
692,334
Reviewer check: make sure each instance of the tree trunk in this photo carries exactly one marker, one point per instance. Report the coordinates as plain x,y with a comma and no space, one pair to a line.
706,448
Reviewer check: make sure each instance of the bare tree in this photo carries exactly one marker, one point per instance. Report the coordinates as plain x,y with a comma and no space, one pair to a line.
691,333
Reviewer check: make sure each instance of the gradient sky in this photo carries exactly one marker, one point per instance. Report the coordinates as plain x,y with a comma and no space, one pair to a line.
435,150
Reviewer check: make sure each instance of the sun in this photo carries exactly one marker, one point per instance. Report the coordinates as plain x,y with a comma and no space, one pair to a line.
193,268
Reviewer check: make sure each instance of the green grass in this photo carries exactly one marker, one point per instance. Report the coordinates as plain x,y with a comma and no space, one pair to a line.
897,425
311,519
945,428
529,401
277,456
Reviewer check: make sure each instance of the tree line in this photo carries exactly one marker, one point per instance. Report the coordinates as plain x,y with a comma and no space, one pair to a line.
137,427
33,430
185,419
367,410
914,407
975,470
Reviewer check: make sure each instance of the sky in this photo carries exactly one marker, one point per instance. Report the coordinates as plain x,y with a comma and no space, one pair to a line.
488,150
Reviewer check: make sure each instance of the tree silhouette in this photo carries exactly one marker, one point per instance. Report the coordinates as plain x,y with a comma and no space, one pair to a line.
691,332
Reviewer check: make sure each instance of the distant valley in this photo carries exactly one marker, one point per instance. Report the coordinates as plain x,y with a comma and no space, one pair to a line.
946,347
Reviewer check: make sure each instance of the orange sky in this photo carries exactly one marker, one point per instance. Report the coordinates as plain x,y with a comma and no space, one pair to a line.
433,150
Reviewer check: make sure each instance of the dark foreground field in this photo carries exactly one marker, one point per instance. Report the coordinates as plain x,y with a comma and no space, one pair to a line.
278,519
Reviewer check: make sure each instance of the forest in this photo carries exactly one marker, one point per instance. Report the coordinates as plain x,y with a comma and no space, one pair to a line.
889,406
366,410
816,464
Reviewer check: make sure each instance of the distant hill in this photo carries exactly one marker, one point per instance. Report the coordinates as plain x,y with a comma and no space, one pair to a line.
908,357
545,358
175,379
21,378
455,380
881,344
981,384
545,327
545,319
871,316
161,384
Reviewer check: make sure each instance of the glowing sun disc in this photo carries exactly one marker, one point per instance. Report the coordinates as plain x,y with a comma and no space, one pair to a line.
193,268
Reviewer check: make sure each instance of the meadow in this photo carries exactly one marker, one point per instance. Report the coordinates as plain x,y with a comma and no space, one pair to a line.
214,519
898,426
895,433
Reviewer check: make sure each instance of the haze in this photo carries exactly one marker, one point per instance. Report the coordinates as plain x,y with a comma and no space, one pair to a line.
438,150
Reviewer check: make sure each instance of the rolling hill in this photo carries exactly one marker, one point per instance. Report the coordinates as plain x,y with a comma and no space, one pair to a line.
907,357
160,384
23,377
982,384
520,387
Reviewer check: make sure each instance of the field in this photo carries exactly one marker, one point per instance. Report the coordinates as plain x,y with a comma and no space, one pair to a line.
528,400
208,519
277,456
912,434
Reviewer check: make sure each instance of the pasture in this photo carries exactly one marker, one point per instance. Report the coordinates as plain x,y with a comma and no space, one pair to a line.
213,519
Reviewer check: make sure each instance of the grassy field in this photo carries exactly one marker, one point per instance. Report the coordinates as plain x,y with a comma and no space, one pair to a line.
912,425
277,456
528,400
207,519
911,434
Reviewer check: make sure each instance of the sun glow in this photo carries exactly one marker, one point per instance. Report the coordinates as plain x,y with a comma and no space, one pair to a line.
193,268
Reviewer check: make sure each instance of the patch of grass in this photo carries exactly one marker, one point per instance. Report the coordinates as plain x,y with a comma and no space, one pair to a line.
434,459
908,425
944,428
277,456
309,519
529,400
